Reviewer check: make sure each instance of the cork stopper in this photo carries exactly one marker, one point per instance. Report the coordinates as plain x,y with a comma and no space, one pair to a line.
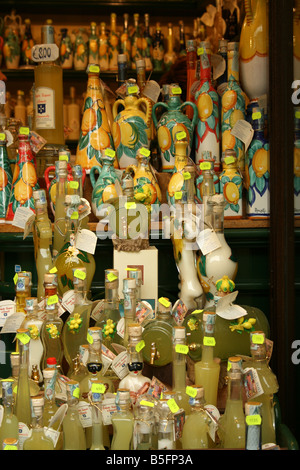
123,396
50,278
111,278
48,373
200,391
140,63
135,330
15,359
38,401
128,284
179,332
122,58
233,46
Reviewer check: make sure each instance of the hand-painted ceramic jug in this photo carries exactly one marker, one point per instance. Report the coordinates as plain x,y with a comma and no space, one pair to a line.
132,125
5,178
231,185
95,134
104,186
11,50
172,121
254,49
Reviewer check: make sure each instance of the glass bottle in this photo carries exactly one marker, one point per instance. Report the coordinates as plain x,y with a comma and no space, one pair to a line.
180,349
9,427
170,55
15,367
231,185
207,370
253,425
158,50
70,257
42,238
222,80
73,431
25,179
125,43
195,428
50,284
103,48
38,439
268,384
59,216
93,44
191,61
129,293
122,422
26,45
144,423
113,41
207,183
97,423
166,431
20,108
147,44
233,106
135,381
136,39
182,45
207,101
51,331
34,325
23,404
50,405
22,289
141,74
232,426
5,178
122,69
76,326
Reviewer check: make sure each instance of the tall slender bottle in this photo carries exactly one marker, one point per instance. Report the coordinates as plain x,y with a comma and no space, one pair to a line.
158,50
73,431
179,372
97,423
182,44
122,422
136,49
195,428
51,331
268,383
207,370
9,427
76,326
38,439
170,55
232,422
93,44
23,404
114,41
125,43
59,218
50,405
147,44
26,46
144,434
103,48
73,110
20,108
42,238
129,293
34,325
191,63
5,178
253,425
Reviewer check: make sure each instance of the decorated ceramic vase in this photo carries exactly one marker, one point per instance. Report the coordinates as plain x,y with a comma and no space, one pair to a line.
11,50
25,179
207,132
5,178
93,45
104,185
297,164
296,30
66,54
26,45
146,187
132,125
173,121
257,170
233,106
176,185
80,51
95,134
254,49
231,185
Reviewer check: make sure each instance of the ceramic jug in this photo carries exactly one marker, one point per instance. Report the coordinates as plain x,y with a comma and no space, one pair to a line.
80,51
95,134
11,50
173,121
231,185
66,54
254,49
104,186
132,125
5,178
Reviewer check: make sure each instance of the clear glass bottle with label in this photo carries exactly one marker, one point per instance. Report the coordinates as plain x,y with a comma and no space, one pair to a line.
23,290
129,293
97,426
195,429
179,372
9,427
23,404
51,332
34,325
122,422
166,431
73,431
50,405
59,217
38,439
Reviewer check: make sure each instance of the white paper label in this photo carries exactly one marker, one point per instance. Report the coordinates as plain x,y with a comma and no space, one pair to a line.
45,108
109,407
52,434
85,414
225,309
21,217
68,300
44,53
215,416
7,308
243,131
121,327
86,240
28,226
208,241
13,322
24,433
119,365
98,310
9,137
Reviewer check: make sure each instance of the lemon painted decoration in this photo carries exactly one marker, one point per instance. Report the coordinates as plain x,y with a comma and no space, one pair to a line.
80,51
5,177
25,179
95,134
93,44
177,183
11,49
231,185
173,121
297,163
66,55
104,188
207,132
257,170
132,125
233,107
254,49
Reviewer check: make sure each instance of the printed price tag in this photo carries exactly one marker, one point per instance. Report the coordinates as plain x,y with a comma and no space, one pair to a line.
110,152
165,302
111,277
208,241
98,388
186,175
53,270
76,392
200,51
24,131
74,184
16,278
258,339
229,160
63,157
133,89
181,349
140,346
209,341
176,90
44,52
253,420
178,195
89,339
23,338
243,131
145,152
180,135
53,299
130,205
256,115
94,68
173,405
196,311
74,215
191,391
86,240
2,136
205,166
79,274
147,403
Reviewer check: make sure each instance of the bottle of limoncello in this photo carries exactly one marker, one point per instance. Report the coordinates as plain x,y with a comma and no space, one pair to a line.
180,350
38,439
34,325
9,427
51,332
73,432
166,432
59,203
195,428
50,406
129,293
23,290
97,426
76,326
144,423
15,366
207,370
232,429
122,422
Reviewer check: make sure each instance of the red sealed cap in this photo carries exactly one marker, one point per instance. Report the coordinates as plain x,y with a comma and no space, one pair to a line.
51,361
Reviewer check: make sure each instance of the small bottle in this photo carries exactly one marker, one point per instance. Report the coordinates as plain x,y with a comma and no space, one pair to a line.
207,370
195,428
122,68
166,434
73,112
97,423
66,53
191,61
179,372
147,44
129,293
170,55
38,439
51,331
20,108
232,422
80,51
144,423
59,217
136,50
23,290
141,74
73,431
27,44
9,427
125,43
222,80
50,406
103,48
158,50
34,325
253,425
113,41
182,45
122,422
93,45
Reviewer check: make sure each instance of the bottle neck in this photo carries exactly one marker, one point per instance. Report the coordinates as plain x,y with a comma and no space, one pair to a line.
233,66
235,388
205,66
37,418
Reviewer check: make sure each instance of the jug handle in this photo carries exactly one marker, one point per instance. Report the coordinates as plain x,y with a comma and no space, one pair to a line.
155,106
92,175
46,175
116,106
195,110
131,169
148,109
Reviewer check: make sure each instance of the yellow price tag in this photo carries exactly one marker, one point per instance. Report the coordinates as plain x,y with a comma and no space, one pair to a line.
2,136
24,131
145,152
191,391
89,339
147,403
80,274
140,346
76,392
53,299
173,405
15,390
130,205
53,270
131,269
209,341
133,89
74,215
186,175
200,51
94,68
110,152
256,115
111,277
23,338
165,302
98,388
16,278
178,195
74,184
176,90
253,420
181,349
63,157
297,114
205,166
181,135
229,160
10,447
258,339
196,311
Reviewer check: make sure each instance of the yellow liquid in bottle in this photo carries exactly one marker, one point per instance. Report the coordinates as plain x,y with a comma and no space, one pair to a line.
234,425
207,375
122,430
38,441
73,432
9,427
194,434
23,410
